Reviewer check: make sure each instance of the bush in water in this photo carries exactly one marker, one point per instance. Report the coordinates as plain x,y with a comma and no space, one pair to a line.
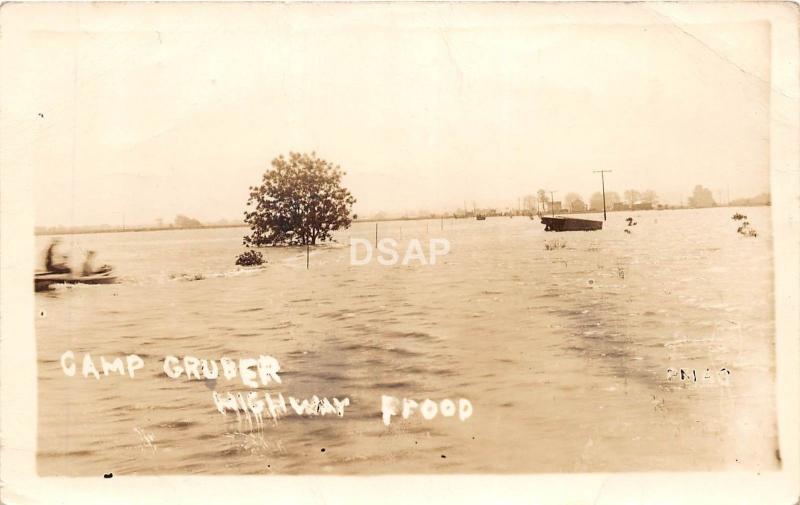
250,258
555,244
747,230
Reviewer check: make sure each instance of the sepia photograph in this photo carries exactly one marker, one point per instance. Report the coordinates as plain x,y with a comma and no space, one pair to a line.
398,239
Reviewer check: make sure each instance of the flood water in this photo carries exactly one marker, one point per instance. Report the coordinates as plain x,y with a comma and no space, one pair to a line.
563,353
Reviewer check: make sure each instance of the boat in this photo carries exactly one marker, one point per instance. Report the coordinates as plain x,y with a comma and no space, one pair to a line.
560,223
44,280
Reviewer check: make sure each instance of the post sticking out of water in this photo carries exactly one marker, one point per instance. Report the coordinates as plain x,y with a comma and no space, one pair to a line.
552,204
603,180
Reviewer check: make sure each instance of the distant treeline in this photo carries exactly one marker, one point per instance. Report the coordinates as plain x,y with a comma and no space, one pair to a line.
762,199
181,222
700,198
77,230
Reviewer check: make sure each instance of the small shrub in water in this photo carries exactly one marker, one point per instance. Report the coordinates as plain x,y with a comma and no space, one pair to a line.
747,230
250,258
738,217
554,244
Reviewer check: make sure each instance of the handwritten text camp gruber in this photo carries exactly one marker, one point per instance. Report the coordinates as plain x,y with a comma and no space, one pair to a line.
255,373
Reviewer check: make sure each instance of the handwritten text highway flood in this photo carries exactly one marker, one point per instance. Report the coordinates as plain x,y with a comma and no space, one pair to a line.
254,373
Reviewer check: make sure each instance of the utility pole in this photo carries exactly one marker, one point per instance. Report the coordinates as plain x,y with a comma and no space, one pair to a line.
552,204
603,179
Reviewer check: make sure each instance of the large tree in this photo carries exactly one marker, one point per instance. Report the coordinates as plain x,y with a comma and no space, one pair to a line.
301,200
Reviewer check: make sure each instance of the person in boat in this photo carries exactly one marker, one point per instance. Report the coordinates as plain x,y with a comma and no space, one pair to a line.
50,264
88,265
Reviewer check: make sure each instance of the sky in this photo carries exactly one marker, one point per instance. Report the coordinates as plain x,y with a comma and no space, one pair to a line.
426,107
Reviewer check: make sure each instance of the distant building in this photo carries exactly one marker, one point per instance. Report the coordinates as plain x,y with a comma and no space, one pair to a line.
554,206
643,205
620,206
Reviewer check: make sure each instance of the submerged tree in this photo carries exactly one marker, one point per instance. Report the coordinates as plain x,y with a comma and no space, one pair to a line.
301,200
